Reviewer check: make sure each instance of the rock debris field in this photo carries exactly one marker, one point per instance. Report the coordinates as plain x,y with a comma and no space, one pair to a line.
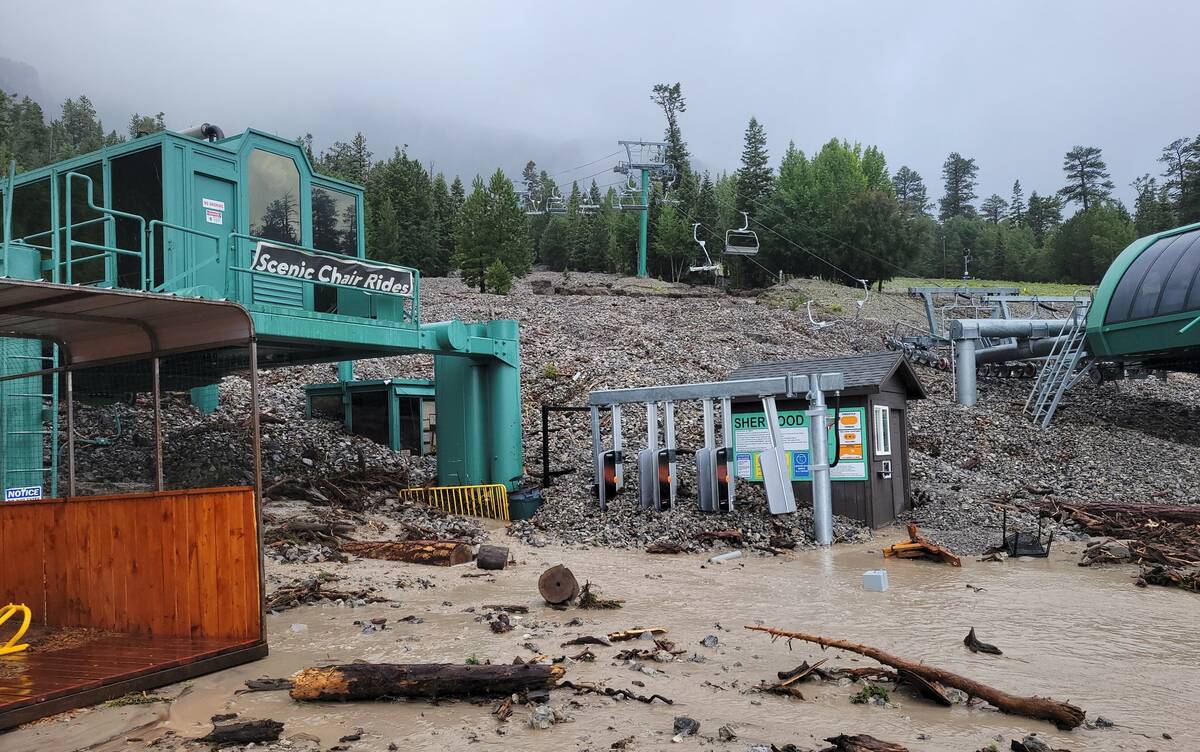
1132,441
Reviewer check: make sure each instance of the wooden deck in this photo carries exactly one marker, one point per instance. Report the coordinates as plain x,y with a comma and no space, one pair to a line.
35,684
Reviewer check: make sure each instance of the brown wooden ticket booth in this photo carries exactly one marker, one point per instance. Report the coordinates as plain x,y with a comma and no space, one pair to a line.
878,388
173,578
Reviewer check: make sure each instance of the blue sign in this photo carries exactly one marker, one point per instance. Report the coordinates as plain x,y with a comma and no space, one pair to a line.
24,493
800,466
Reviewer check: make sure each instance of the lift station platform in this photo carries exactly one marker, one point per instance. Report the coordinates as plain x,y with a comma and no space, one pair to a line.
244,219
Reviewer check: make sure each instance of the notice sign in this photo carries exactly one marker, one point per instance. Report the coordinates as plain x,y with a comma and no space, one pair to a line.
23,493
214,217
751,436
212,203
331,270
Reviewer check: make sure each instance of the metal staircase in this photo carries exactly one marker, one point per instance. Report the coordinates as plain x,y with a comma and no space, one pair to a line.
1061,369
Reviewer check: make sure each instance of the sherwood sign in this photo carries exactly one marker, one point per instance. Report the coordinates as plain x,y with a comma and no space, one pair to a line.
331,270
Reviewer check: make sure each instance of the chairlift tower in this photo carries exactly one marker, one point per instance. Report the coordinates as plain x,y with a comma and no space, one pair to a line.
649,158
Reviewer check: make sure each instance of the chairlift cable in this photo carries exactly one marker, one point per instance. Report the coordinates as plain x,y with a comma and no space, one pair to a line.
587,164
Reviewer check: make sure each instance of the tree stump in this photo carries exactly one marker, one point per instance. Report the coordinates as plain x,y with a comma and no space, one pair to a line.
492,557
438,553
557,585
373,681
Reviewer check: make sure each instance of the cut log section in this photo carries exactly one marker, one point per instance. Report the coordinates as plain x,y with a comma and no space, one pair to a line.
438,553
558,585
916,547
492,557
1062,714
861,743
243,732
374,681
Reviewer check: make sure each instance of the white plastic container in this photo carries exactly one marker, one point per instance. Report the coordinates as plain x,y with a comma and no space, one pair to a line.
875,581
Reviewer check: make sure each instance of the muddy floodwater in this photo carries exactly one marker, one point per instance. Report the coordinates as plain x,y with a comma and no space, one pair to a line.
1084,635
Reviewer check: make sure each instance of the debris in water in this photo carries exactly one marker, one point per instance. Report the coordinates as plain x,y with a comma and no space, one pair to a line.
588,598
374,681
243,732
916,547
979,647
1064,714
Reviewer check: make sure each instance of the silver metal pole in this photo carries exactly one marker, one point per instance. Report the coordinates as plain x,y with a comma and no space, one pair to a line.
617,446
597,462
709,425
819,465
669,435
727,440
964,374
652,426
70,385
158,451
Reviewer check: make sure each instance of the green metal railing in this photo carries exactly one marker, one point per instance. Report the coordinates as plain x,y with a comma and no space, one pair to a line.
108,253
166,284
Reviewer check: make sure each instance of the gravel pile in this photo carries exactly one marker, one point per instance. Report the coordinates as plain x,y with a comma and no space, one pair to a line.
1126,441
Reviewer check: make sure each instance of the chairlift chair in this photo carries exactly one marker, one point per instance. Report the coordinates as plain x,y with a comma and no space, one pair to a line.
556,205
709,266
743,241
816,325
866,296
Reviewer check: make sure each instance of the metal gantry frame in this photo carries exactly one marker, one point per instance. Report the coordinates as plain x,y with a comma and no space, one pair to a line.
649,159
716,482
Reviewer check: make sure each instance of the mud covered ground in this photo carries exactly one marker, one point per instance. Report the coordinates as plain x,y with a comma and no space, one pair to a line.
1119,652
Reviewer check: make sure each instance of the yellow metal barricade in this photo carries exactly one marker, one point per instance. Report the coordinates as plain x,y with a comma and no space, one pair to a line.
489,500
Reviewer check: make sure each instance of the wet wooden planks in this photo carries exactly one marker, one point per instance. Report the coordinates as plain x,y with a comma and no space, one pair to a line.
32,678
177,563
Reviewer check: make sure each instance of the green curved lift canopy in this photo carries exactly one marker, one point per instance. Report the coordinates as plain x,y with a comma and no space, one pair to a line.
1147,307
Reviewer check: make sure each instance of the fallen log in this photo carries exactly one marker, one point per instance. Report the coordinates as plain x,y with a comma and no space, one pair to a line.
633,634
861,743
438,553
1063,714
916,547
975,646
375,681
243,732
492,557
929,689
558,585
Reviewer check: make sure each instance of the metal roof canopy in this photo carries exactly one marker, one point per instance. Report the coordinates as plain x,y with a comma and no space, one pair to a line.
864,373
789,384
95,326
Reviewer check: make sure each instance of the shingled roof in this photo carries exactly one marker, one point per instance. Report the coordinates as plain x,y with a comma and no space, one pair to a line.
864,373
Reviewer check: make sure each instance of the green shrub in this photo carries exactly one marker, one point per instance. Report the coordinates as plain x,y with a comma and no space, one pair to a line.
497,279
864,695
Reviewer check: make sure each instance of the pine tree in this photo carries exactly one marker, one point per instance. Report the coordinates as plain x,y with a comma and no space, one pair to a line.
1087,177
492,227
1181,159
754,177
959,176
141,125
670,98
994,208
1042,216
1016,205
1154,210
447,223
910,192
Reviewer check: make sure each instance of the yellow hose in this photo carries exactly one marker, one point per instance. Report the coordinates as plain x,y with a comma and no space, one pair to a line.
7,613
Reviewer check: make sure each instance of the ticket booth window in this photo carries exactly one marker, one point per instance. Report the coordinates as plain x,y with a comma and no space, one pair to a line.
883,430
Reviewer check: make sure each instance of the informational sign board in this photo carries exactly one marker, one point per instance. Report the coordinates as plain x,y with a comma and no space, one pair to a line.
23,493
332,270
751,436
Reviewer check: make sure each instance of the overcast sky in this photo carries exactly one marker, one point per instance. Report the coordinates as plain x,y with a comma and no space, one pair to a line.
472,85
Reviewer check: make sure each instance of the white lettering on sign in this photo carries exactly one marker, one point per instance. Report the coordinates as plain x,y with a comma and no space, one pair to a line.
212,203
214,217
23,493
